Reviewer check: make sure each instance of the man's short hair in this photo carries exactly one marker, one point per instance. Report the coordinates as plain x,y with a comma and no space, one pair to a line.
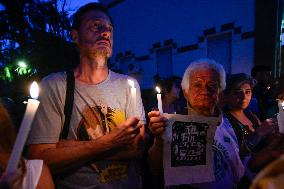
78,15
201,64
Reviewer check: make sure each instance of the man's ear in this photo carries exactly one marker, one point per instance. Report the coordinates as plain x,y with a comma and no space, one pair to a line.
75,36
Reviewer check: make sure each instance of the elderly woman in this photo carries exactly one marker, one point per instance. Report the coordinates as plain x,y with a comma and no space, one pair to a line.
202,83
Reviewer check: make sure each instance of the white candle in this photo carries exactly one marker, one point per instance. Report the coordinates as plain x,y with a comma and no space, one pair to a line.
280,116
133,95
24,129
159,98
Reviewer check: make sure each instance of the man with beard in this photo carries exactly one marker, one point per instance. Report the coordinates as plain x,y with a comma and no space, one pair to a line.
106,131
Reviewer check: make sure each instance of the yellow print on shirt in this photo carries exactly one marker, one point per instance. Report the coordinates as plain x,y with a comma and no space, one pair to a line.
97,121
114,172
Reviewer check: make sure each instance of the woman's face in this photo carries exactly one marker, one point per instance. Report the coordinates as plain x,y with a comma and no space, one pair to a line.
239,98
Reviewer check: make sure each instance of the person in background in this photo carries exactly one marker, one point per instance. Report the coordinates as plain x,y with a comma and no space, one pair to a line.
106,132
246,124
172,103
31,174
272,176
263,89
256,139
278,96
171,95
202,83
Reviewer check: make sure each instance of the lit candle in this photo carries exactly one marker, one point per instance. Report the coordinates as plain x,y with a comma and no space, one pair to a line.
133,95
25,127
159,98
280,116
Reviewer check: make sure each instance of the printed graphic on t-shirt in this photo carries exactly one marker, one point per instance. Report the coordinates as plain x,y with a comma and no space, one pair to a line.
97,121
114,172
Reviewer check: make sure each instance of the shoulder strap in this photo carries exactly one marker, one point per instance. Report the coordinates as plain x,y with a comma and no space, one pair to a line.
70,85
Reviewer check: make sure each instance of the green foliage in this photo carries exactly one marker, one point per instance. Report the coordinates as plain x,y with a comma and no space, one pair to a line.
6,75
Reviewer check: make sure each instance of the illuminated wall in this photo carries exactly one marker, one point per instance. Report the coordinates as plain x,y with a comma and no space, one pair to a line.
143,30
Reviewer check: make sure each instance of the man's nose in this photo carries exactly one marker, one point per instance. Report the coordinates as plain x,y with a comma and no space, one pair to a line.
106,33
205,90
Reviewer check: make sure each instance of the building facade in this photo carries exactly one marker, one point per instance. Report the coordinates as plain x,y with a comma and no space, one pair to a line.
161,37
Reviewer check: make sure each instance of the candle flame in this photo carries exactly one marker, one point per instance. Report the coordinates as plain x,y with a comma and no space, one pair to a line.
283,104
34,90
158,89
131,83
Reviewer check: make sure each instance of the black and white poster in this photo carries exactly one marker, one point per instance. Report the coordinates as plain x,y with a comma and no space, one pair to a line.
187,149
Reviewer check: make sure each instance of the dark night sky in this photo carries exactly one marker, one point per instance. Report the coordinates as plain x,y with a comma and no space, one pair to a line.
73,5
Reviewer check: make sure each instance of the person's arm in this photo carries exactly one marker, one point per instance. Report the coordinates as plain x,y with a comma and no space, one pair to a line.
45,179
65,157
134,150
272,151
266,127
157,125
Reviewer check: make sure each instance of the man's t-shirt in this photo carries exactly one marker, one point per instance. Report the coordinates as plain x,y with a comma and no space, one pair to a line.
97,109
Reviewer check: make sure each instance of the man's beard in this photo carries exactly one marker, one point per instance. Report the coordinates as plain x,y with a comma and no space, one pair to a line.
92,54
99,52
103,51
93,50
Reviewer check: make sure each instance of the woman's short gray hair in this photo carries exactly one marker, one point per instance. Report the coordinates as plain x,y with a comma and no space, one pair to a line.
201,64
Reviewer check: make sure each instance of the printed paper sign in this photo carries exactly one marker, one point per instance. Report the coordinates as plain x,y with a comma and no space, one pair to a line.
187,149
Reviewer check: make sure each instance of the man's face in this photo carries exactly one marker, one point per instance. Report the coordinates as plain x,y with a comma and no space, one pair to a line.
95,35
203,89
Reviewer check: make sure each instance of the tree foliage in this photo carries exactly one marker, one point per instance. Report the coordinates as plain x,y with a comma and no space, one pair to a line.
37,32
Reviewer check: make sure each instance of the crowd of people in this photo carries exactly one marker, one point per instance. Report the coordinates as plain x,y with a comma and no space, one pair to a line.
89,131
